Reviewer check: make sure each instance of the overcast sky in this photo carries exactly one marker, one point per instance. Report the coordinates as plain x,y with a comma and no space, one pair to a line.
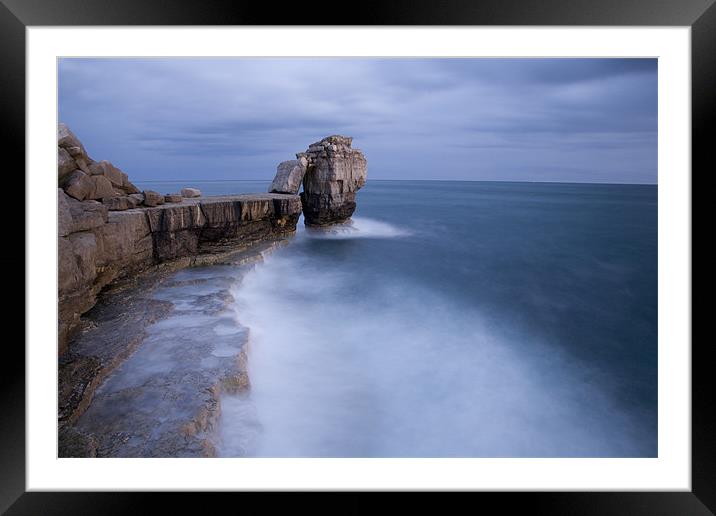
573,120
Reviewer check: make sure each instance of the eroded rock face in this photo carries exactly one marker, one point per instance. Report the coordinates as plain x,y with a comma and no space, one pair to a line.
98,245
334,173
107,229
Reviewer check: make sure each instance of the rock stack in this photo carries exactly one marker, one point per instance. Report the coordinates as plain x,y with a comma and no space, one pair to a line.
331,172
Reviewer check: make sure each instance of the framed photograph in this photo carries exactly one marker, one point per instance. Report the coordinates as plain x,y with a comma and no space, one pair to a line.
437,248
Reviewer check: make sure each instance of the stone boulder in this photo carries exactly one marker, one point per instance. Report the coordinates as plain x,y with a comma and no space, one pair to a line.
78,185
118,203
129,188
152,198
115,176
68,141
120,181
72,157
133,202
190,192
101,188
137,198
334,173
65,163
289,175
96,169
173,197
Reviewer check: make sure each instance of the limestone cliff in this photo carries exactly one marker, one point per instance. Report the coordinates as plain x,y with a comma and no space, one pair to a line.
106,233
108,229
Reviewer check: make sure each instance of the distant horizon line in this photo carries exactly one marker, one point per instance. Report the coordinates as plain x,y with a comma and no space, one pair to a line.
427,180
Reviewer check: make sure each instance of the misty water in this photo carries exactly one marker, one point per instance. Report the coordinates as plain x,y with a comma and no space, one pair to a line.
454,319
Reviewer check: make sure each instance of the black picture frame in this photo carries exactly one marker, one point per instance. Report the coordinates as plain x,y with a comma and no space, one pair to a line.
16,15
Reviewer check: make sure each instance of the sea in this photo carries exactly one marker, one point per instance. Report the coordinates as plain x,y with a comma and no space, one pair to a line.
453,319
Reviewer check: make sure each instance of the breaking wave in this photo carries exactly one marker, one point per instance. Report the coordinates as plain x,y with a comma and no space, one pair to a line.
358,227
401,372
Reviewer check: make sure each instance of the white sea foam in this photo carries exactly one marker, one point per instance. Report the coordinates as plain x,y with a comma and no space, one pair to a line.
358,227
401,372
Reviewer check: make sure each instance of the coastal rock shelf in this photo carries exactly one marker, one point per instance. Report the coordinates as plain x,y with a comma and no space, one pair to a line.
145,378
97,246
108,229
142,367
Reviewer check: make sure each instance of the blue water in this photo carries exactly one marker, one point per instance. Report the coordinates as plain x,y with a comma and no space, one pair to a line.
469,319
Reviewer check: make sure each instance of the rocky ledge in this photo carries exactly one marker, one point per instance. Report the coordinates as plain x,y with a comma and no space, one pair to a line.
108,229
145,375
98,246
114,238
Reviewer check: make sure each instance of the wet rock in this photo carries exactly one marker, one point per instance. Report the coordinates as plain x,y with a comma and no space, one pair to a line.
289,176
117,327
334,174
177,357
73,443
152,198
190,192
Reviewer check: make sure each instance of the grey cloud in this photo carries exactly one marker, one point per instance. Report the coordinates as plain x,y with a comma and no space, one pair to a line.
566,119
